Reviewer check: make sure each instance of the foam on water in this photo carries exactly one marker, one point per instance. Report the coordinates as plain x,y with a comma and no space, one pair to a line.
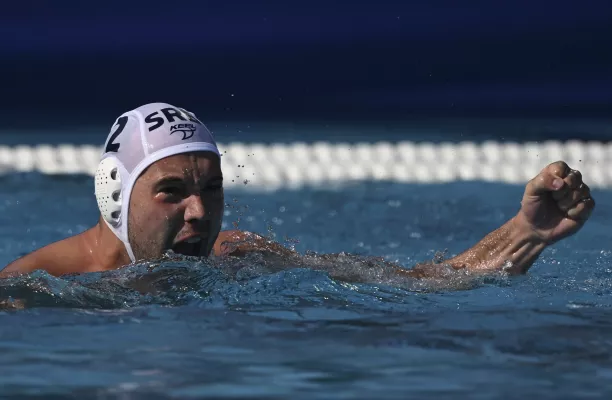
249,282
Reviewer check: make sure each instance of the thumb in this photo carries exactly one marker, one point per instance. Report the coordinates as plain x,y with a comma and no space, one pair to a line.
550,179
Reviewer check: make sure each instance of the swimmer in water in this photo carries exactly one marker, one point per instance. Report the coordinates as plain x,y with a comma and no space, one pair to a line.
159,186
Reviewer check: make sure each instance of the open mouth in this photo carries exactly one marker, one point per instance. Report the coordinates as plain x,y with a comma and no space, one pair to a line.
193,246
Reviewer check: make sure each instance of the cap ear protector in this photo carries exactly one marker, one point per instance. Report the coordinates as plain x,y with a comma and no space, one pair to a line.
110,180
108,190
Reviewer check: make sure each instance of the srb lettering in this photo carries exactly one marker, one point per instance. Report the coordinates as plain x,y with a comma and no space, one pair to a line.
155,120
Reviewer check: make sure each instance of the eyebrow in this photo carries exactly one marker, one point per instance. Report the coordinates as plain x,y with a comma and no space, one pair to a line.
173,179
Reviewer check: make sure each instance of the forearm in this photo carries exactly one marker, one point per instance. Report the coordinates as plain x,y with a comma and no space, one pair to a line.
511,247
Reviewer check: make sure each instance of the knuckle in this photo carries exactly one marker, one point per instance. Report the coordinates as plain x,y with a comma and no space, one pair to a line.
576,173
585,188
587,204
560,166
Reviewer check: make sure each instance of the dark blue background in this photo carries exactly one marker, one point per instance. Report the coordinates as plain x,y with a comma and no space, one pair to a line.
78,61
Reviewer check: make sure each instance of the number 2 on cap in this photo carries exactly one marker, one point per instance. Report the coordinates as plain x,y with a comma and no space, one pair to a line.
122,122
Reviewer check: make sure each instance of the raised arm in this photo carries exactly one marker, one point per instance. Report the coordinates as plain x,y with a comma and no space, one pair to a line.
556,204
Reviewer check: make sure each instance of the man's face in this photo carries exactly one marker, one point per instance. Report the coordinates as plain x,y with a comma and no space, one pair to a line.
177,203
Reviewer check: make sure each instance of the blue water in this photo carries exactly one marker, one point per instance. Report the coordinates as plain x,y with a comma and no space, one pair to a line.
285,329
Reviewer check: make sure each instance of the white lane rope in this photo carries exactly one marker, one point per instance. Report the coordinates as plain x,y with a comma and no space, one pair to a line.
273,166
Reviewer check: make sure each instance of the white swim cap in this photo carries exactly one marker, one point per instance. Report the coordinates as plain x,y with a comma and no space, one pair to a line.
137,139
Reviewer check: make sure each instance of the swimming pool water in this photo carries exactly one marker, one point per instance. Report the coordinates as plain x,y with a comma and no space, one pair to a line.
285,329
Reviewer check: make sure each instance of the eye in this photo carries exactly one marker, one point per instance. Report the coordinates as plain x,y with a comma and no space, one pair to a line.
172,190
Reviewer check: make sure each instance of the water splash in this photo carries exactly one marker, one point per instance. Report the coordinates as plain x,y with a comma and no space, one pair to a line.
247,282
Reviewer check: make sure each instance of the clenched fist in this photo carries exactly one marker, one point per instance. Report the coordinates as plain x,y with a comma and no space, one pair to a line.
556,203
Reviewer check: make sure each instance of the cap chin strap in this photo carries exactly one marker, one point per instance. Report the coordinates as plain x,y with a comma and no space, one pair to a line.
126,243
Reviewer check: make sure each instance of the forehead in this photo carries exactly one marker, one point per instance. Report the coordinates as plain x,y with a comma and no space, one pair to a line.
196,163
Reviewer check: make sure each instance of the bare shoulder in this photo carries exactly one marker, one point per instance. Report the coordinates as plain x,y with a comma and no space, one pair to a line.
58,258
230,242
239,243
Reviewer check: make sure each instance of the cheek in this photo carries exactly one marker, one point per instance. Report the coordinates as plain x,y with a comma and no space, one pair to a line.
216,208
217,201
155,222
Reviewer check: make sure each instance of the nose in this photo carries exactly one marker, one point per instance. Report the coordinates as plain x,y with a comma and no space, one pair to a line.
194,209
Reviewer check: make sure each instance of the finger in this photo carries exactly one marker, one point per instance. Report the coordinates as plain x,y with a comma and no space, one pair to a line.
573,197
558,168
562,192
550,179
573,179
582,211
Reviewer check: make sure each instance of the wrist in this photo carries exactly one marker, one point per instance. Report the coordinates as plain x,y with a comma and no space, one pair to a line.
524,230
523,246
